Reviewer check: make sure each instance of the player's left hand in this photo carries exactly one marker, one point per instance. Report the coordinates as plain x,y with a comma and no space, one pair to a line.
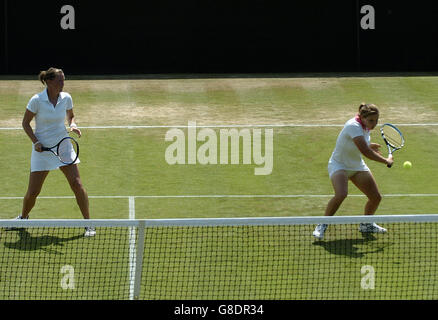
76,130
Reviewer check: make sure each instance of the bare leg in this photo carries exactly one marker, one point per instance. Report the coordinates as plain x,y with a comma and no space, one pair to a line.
36,180
340,185
365,182
71,172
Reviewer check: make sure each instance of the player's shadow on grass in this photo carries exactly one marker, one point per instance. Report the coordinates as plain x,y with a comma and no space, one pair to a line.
349,247
27,242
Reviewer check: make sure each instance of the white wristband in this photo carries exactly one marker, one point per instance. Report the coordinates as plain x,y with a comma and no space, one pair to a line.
73,126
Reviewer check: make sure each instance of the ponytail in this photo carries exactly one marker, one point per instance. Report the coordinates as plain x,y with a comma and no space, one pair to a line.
366,110
49,74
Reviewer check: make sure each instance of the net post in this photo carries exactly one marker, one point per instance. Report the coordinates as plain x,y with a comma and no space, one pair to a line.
139,259
132,248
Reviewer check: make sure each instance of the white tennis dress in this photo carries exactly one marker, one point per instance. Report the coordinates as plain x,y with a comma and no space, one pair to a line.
346,155
49,128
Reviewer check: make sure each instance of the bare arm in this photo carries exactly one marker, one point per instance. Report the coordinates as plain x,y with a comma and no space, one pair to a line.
27,118
371,153
71,122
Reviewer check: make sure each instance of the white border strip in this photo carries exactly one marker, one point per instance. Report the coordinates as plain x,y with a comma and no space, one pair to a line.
69,223
211,222
284,195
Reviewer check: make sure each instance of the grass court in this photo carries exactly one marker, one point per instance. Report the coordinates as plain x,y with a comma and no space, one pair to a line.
122,151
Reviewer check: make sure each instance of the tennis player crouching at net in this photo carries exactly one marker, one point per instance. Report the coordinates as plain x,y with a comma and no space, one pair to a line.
50,108
346,163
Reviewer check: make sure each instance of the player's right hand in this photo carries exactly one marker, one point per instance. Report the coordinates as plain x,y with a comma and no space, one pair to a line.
38,147
389,161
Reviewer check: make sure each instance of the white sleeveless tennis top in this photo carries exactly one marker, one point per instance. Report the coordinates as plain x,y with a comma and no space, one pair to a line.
49,128
346,155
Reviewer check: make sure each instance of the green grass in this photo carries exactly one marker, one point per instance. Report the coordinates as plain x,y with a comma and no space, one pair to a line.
241,263
39,255
269,262
131,162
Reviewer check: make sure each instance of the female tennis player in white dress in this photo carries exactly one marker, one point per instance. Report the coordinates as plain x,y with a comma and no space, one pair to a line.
346,164
50,108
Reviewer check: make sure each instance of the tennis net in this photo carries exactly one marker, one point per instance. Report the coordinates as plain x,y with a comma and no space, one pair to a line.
220,259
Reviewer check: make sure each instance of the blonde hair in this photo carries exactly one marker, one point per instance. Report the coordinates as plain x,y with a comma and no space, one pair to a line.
366,110
49,74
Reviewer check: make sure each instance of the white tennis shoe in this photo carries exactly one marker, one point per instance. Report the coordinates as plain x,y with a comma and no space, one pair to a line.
15,228
371,228
90,232
320,230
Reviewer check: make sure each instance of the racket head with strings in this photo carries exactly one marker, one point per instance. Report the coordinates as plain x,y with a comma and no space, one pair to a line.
67,150
393,137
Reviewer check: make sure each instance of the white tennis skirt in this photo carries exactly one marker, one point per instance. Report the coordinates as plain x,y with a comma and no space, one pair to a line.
334,166
46,161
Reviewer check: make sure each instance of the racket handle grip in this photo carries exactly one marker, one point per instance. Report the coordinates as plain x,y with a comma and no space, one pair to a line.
390,156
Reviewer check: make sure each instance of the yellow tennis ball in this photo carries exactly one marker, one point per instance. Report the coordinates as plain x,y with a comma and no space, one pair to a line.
407,165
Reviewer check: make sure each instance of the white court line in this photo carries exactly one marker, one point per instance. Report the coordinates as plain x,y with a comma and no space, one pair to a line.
132,209
132,249
231,126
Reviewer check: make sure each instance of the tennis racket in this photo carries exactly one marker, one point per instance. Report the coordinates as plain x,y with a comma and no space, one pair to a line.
393,138
67,150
